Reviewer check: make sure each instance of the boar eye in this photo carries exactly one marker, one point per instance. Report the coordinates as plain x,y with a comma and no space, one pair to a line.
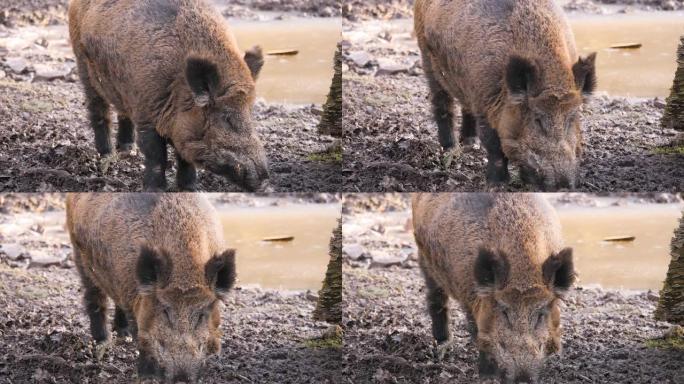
541,316
200,320
504,312
167,315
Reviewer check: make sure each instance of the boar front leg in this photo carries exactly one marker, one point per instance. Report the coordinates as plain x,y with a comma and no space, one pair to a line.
153,148
186,177
497,165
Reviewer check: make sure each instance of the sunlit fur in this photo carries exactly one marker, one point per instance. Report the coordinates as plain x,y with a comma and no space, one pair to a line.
157,256
140,51
511,63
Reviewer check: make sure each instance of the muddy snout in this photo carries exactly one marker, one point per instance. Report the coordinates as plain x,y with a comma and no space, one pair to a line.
251,174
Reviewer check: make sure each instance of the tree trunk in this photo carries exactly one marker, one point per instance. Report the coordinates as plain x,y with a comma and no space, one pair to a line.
674,110
329,306
331,123
671,304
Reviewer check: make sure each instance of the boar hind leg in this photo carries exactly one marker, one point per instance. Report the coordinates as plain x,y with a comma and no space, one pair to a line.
497,165
468,128
98,112
186,178
442,106
125,135
96,306
153,148
438,308
123,324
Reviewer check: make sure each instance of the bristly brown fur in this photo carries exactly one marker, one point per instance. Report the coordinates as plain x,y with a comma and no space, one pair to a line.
501,257
514,67
173,70
161,259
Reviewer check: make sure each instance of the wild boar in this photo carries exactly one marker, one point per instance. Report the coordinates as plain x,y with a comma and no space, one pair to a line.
161,259
172,70
502,258
514,68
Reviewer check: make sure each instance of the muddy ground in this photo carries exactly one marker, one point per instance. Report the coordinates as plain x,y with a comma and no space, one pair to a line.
46,143
609,335
395,9
391,138
44,12
269,335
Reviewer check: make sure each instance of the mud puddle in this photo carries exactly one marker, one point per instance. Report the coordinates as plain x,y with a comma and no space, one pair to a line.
298,264
303,78
644,72
639,264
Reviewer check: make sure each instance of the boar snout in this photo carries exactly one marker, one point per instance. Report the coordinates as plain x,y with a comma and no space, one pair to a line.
549,177
250,174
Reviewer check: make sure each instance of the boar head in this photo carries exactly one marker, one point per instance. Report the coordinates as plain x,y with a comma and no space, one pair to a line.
214,129
540,125
179,328
517,329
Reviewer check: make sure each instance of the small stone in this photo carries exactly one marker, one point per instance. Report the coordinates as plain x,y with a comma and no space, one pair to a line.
360,58
353,251
48,72
384,260
390,67
16,64
2,74
44,259
13,251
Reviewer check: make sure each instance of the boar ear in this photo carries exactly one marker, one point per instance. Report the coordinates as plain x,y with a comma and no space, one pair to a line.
521,78
491,271
203,79
559,271
153,268
255,60
584,71
220,272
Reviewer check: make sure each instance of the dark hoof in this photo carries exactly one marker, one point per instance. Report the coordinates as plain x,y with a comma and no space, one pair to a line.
469,141
125,148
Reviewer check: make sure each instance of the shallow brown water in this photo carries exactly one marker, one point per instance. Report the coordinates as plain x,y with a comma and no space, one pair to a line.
298,79
644,72
641,264
295,265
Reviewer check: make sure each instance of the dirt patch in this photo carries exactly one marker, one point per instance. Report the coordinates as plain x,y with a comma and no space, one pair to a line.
46,144
269,335
391,142
609,335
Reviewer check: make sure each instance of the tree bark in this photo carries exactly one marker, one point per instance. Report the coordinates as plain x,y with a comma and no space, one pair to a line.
671,304
673,116
331,122
329,306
